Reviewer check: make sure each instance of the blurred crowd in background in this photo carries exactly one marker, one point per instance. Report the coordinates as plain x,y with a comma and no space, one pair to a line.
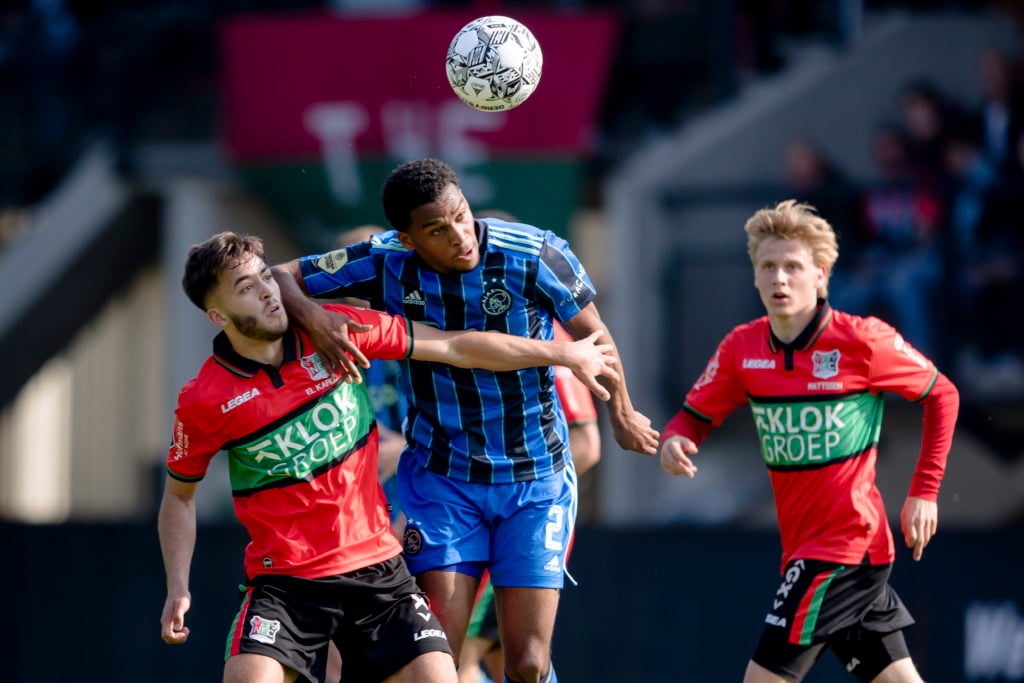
933,242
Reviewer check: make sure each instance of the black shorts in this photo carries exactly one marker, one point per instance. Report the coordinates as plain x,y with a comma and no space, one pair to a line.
378,617
850,609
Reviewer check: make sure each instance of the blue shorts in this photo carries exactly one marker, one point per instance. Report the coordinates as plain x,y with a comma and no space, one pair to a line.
519,531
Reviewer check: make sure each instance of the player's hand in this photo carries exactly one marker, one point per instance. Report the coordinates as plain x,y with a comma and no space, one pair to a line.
675,454
919,521
593,360
329,333
633,432
172,621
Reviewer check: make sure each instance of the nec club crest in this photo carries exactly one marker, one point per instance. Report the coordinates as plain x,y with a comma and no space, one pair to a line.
264,630
315,367
826,363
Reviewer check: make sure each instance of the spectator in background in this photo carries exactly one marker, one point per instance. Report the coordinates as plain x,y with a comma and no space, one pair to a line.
985,266
898,269
999,117
814,179
927,116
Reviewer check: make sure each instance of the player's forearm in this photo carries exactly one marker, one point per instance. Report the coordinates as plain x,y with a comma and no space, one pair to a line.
176,527
941,407
502,352
293,296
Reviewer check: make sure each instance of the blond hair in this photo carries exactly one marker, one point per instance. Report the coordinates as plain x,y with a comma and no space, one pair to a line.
791,220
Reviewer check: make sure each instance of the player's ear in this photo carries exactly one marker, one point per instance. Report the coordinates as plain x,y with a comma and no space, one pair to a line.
217,318
404,238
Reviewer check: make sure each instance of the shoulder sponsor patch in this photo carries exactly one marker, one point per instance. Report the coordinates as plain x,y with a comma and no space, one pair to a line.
332,262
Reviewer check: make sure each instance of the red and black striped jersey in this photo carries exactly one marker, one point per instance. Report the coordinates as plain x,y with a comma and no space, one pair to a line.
301,448
817,404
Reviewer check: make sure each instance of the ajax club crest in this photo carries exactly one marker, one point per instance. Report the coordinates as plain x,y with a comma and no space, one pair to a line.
496,299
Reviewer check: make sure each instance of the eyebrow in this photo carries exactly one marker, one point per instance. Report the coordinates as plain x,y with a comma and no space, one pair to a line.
238,280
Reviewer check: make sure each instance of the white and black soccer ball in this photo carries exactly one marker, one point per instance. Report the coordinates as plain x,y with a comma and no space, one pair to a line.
494,63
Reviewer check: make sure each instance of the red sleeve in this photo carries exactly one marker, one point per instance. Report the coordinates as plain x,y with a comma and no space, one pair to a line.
689,424
941,406
897,367
576,400
191,448
389,338
712,398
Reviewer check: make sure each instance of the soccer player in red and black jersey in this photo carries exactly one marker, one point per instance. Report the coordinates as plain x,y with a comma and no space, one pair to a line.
322,563
814,378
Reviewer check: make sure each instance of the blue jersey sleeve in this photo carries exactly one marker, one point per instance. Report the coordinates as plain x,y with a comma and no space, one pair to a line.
562,280
351,271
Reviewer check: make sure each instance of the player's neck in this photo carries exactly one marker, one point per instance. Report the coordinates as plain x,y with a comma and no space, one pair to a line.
788,327
259,350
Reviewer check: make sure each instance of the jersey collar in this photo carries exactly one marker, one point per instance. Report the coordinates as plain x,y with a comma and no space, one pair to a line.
225,355
810,333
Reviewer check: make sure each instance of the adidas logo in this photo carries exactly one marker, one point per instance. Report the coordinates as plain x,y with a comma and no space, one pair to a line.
415,298
553,565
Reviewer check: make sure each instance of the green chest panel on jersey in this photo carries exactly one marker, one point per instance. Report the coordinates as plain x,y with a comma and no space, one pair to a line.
813,433
323,433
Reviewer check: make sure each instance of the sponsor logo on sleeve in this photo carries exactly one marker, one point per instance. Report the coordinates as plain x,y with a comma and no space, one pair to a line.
709,372
180,440
909,351
333,261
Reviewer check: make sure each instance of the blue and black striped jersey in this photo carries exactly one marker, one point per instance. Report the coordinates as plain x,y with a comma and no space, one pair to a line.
473,425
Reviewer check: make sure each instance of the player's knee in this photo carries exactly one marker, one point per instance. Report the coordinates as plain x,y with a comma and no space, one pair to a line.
527,668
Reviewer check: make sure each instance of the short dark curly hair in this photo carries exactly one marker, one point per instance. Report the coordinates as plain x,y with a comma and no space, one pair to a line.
207,260
412,185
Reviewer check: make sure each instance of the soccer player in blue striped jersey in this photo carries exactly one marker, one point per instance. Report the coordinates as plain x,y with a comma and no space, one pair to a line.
486,479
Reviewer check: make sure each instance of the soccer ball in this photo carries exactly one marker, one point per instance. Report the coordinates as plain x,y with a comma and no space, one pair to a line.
494,63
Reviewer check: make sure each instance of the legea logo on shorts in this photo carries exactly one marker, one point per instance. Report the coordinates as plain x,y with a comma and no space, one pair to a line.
430,633
264,630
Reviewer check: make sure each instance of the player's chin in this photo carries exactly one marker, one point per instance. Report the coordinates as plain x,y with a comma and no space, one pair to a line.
466,264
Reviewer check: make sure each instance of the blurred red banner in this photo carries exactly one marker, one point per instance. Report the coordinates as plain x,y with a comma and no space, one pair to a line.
324,85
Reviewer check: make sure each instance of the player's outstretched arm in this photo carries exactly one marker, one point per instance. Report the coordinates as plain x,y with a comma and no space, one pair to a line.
632,429
589,360
328,331
176,526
